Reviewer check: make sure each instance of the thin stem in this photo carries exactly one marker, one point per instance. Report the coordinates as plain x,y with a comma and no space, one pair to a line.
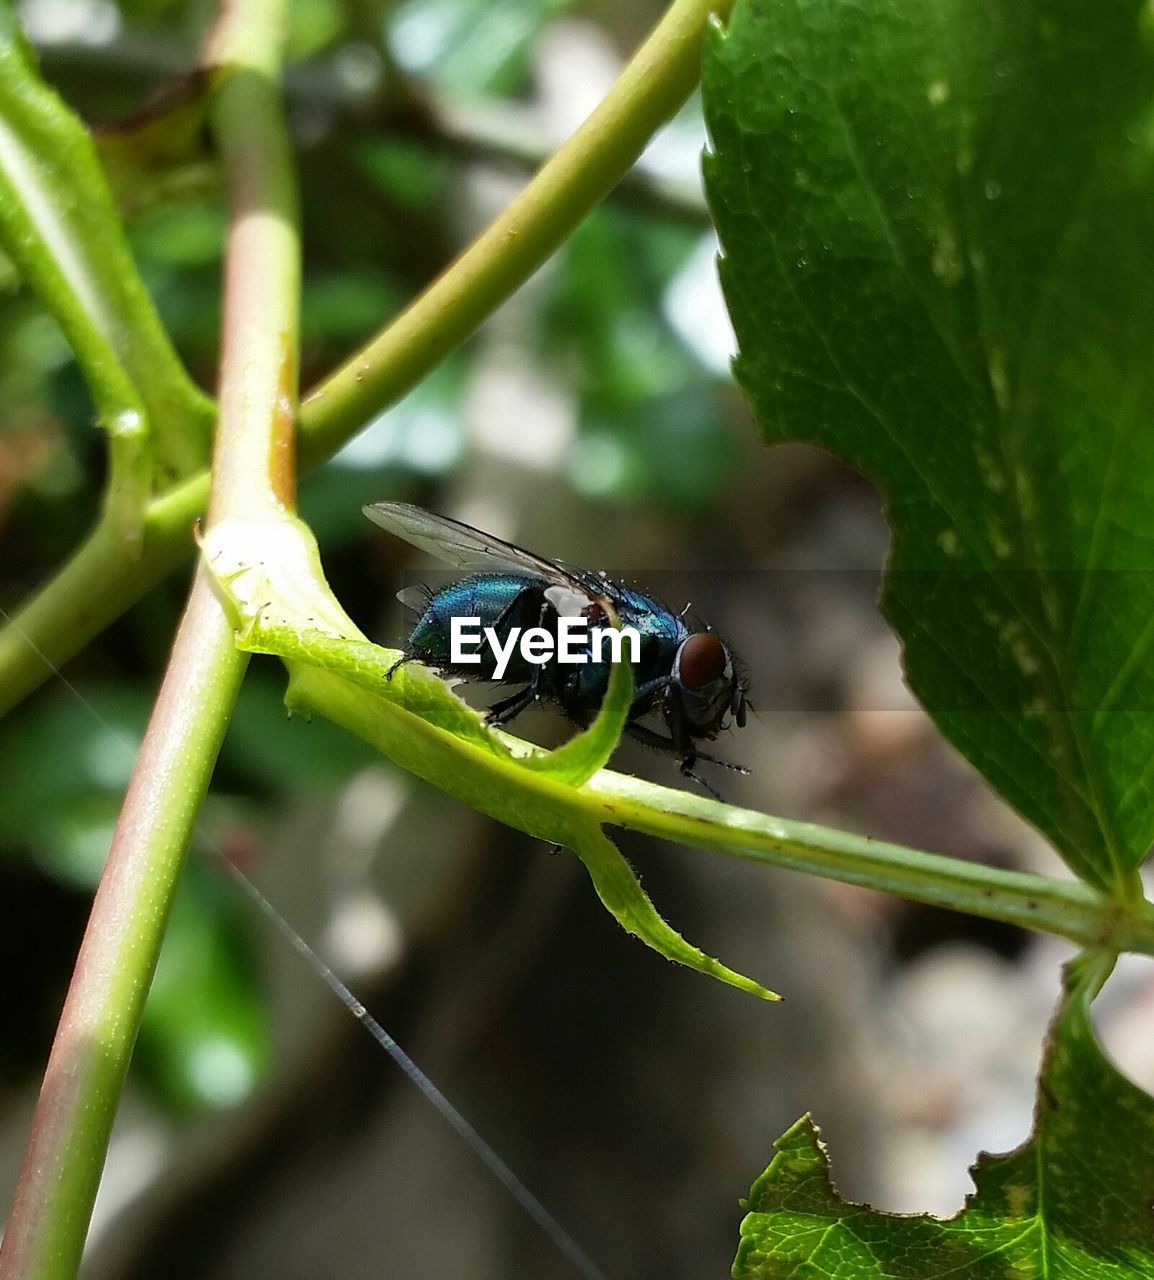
534,802
44,1237
490,131
1067,908
48,1220
503,134
577,178
66,612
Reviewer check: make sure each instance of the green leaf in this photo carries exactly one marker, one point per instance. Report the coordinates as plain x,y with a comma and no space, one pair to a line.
938,252
1072,1203
576,761
619,890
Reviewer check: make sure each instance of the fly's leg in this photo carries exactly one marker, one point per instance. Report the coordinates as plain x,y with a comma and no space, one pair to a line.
652,686
649,738
644,692
509,708
400,662
722,764
682,744
686,748
687,772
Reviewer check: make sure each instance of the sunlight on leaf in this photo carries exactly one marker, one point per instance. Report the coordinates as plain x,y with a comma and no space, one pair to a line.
937,252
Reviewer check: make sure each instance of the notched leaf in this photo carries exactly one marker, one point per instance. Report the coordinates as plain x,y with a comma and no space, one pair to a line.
1072,1203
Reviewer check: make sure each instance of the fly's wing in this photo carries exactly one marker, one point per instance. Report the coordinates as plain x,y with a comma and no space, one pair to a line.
464,547
416,598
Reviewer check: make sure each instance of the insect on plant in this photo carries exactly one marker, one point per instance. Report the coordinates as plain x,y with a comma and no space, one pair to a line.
687,679
935,247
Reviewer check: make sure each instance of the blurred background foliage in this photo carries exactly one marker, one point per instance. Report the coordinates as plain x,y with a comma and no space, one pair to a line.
594,419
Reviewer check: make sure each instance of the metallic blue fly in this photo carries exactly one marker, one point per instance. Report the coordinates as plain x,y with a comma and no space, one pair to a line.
688,679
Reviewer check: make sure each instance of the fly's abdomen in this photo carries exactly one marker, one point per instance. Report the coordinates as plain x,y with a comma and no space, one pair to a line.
496,600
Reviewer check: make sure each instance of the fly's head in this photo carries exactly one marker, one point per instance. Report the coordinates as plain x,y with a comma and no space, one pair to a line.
709,684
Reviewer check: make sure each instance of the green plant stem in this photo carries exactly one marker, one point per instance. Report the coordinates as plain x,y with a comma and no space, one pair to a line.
66,612
506,136
261,307
572,182
253,477
538,804
48,1220
493,132
63,616
1067,908
254,472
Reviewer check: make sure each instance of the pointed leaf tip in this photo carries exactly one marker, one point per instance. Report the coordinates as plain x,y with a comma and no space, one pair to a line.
621,892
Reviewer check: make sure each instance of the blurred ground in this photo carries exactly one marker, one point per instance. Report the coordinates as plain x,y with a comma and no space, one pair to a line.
592,420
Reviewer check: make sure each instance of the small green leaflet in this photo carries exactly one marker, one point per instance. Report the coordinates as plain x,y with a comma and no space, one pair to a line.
938,254
1067,1205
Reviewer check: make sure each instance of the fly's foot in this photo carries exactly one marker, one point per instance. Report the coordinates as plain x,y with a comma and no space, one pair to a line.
687,772
509,708
400,662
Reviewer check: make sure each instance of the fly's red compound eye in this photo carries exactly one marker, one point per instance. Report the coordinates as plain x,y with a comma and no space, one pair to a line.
702,660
